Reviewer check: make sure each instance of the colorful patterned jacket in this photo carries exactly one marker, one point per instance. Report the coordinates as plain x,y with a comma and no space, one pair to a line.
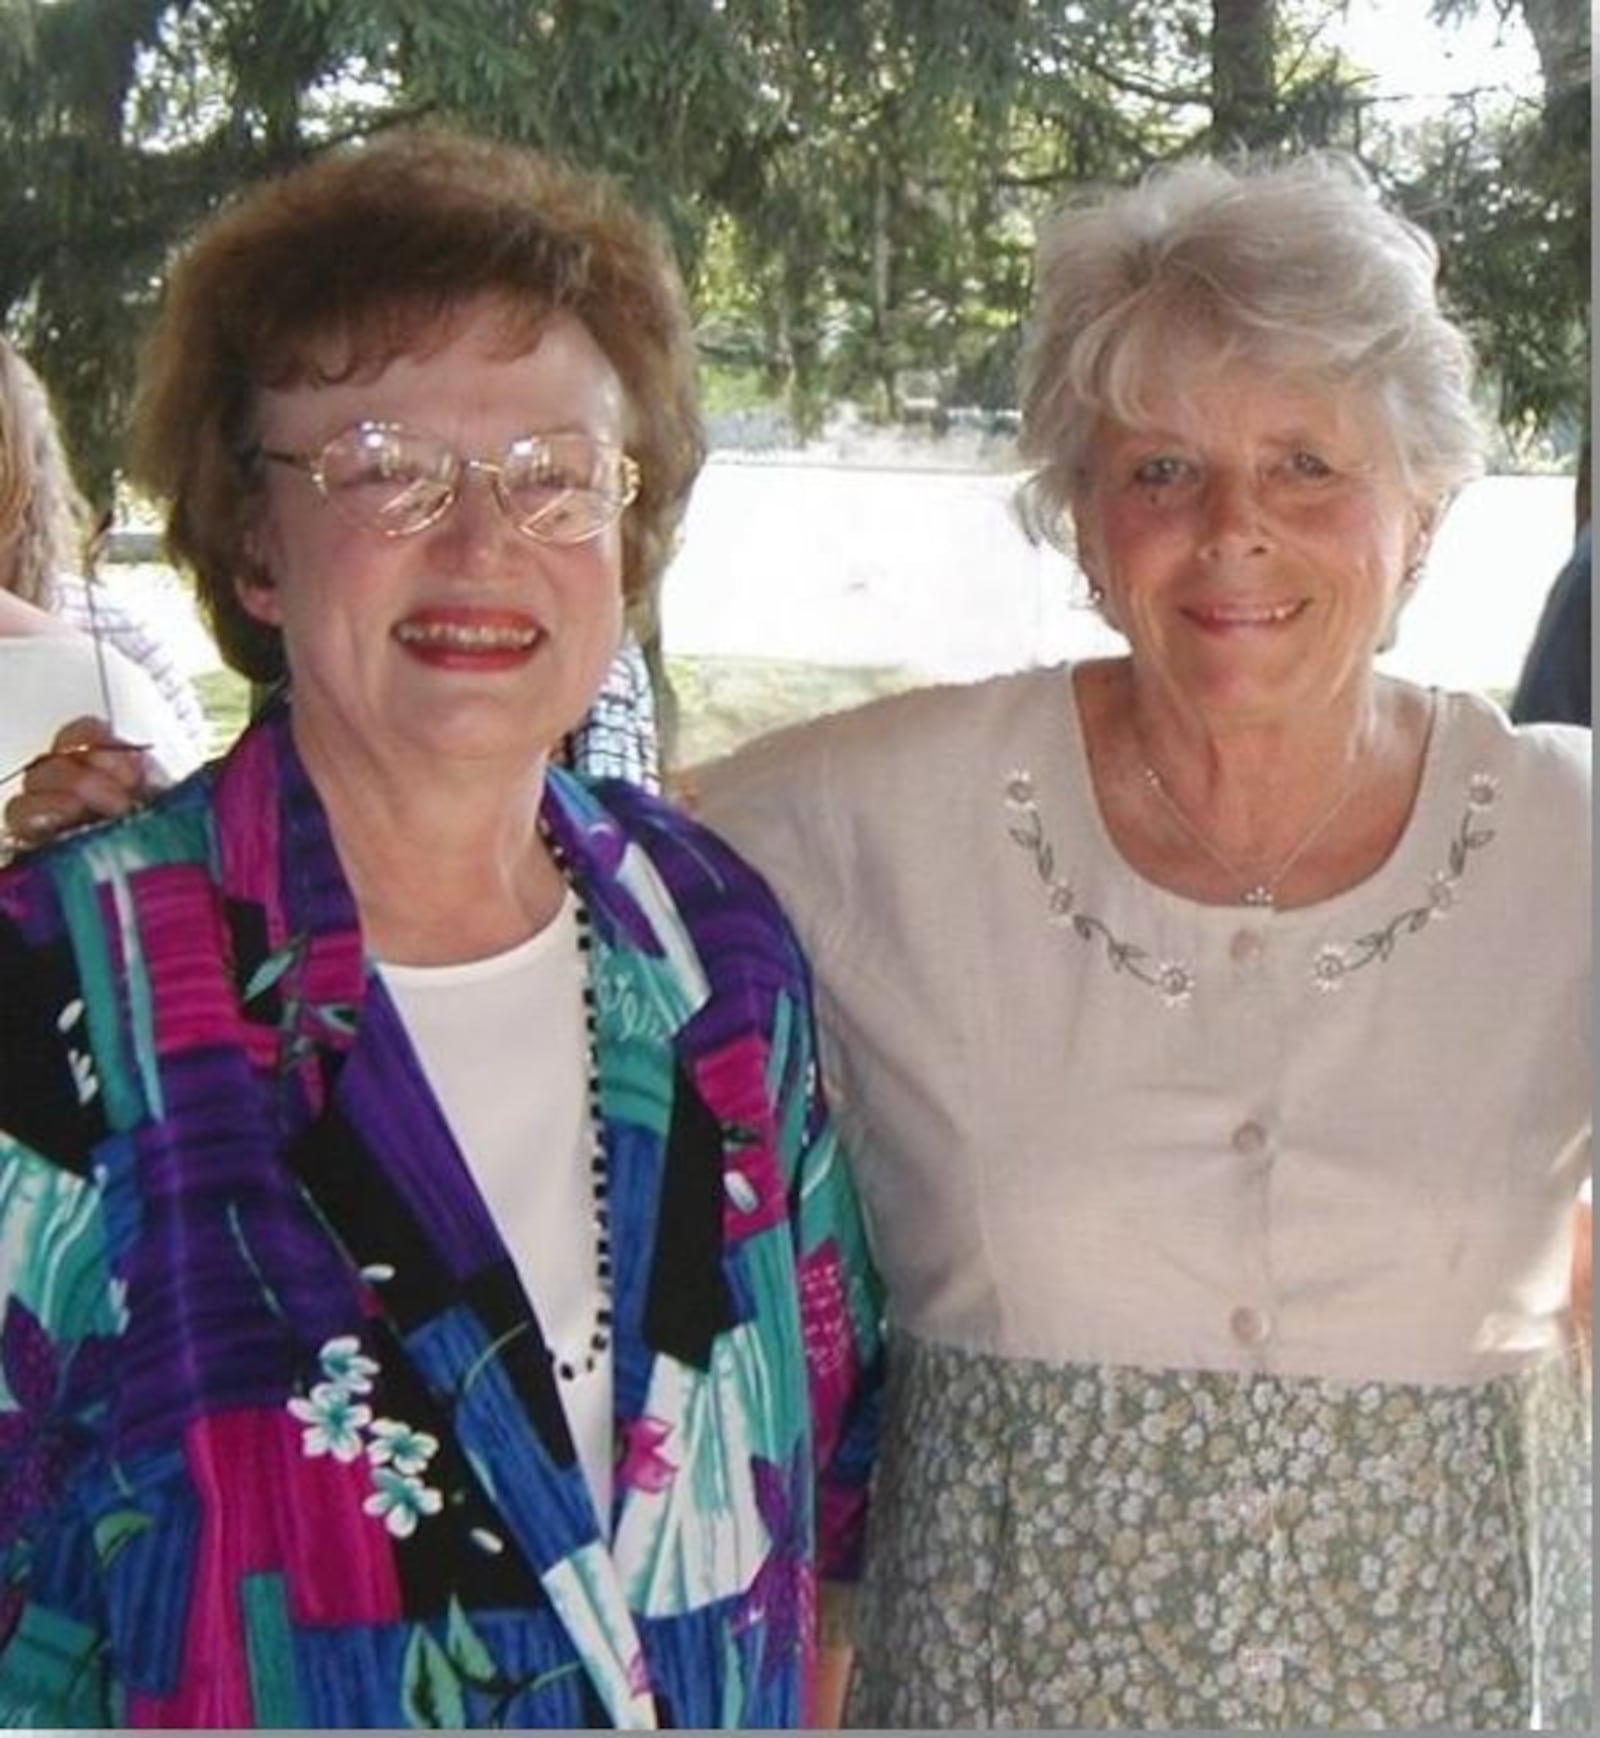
280,1444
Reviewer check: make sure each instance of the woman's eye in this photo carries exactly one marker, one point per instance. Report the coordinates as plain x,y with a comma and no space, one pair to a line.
1310,465
1160,472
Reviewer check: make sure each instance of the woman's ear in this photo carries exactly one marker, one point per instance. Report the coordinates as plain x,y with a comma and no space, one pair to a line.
254,586
259,598
1425,521
1087,549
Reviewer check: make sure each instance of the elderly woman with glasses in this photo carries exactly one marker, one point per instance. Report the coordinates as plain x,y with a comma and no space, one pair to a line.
431,1290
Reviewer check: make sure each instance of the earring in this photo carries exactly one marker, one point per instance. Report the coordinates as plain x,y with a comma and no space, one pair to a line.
1097,595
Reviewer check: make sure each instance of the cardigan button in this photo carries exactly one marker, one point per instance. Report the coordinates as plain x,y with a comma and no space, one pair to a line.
1249,1139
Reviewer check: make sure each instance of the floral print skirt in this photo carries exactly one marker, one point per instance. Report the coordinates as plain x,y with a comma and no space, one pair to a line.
1094,1547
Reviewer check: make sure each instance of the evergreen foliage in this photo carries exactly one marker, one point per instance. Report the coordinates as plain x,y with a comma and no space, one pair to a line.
851,184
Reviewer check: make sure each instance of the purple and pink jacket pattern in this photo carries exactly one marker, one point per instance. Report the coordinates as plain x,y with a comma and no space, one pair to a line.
280,1442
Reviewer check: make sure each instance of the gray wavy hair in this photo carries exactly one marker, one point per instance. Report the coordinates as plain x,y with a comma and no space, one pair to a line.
1294,267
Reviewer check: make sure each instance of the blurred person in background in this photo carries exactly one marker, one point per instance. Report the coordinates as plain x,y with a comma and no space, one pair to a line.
620,736
1556,680
47,545
50,673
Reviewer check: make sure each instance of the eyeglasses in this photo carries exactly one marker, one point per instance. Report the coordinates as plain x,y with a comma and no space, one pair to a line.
397,481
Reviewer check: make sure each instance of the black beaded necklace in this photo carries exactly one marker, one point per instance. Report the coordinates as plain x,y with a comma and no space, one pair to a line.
570,1367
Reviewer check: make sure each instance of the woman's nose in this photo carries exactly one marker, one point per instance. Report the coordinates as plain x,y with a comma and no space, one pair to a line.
1235,515
475,520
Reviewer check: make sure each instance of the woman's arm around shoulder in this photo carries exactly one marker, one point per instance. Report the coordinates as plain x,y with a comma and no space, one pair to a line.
773,800
838,811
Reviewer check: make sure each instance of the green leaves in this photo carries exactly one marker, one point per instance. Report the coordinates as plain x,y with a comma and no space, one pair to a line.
457,1683
117,1529
852,185
432,1693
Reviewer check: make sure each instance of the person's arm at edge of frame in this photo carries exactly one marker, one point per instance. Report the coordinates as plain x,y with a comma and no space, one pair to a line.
1555,684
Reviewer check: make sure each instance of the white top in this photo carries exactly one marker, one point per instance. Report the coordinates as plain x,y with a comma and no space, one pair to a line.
1094,1121
504,1044
46,680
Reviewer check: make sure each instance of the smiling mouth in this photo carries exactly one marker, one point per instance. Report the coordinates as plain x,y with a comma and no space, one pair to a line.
467,636
1243,616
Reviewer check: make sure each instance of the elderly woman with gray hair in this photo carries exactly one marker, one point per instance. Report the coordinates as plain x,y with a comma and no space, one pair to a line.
1212,1027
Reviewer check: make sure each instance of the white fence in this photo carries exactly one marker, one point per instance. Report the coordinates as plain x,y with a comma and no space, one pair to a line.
847,565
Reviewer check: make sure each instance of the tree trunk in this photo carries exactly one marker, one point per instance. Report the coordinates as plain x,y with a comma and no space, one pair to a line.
883,361
1243,81
1560,30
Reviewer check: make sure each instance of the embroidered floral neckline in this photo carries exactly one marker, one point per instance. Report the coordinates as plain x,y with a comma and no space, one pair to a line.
1175,980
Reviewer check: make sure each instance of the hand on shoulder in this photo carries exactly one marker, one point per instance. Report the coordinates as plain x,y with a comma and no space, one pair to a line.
87,774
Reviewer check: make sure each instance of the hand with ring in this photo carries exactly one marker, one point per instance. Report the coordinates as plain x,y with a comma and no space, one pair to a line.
87,774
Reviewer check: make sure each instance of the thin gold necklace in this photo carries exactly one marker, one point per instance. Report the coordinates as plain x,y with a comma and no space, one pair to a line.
1260,890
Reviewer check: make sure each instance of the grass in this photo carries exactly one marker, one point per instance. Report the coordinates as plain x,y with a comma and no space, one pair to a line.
226,699
721,702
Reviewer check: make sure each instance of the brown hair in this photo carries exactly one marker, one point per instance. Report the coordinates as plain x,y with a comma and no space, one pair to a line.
40,505
363,254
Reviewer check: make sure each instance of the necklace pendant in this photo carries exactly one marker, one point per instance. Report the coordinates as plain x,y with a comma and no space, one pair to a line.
1260,895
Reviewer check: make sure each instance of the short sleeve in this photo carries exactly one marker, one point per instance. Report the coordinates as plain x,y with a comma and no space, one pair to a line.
772,802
